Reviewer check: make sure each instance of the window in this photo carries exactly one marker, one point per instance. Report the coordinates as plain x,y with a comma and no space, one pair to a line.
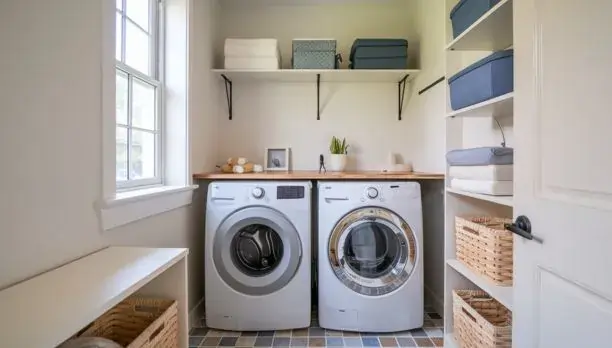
138,73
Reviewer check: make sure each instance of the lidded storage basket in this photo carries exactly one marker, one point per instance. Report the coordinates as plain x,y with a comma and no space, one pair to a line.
486,247
138,323
481,321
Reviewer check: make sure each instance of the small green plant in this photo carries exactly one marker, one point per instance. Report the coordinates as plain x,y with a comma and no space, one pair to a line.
338,147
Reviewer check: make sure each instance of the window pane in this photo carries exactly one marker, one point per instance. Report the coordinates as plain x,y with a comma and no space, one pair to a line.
118,36
121,100
121,154
142,158
137,48
138,11
119,5
143,105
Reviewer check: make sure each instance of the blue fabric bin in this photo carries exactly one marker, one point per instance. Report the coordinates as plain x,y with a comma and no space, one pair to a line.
379,63
488,78
466,12
314,54
379,54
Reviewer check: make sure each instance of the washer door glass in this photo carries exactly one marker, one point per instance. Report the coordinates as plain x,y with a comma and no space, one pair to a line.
372,251
257,250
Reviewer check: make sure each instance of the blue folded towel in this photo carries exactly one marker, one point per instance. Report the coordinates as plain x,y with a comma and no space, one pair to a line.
481,156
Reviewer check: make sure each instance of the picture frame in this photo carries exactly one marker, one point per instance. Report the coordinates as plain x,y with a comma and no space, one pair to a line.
276,159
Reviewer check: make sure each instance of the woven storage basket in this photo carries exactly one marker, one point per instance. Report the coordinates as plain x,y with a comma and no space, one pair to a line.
485,246
481,321
138,323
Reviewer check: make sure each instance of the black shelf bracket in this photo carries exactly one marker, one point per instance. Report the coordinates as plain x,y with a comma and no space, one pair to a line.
432,85
401,93
318,97
229,94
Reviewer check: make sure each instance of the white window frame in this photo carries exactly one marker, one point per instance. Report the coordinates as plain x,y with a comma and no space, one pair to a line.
156,67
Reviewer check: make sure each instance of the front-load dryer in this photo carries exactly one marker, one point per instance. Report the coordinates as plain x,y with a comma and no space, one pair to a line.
257,255
370,260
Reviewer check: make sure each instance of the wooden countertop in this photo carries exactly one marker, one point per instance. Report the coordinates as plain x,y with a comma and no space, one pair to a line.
314,175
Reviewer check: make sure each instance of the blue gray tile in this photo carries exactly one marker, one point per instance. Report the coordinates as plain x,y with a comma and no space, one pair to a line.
334,342
370,342
195,341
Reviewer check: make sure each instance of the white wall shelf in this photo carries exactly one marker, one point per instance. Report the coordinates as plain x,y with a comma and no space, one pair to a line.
48,309
492,32
503,294
502,200
449,341
496,107
337,75
401,77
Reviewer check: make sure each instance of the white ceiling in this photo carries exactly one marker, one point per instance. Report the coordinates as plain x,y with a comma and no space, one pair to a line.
296,2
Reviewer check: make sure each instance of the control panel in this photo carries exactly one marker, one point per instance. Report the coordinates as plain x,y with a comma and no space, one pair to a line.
290,192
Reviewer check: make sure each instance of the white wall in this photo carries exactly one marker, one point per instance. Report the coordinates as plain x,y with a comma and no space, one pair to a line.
284,115
51,145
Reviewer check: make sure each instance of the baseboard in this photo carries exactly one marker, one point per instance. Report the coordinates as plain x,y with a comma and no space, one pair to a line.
438,303
195,315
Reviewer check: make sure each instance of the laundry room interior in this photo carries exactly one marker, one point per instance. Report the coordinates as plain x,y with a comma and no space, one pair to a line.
286,190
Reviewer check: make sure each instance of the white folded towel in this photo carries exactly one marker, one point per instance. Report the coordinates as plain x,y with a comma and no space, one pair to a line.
251,48
487,187
251,63
491,172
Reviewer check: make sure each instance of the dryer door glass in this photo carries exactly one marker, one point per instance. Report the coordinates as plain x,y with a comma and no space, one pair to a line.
257,249
372,251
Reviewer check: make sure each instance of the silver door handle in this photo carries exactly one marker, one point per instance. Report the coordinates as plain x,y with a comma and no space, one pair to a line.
223,198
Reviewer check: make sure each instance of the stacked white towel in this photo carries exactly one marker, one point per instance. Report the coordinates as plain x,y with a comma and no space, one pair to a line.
252,54
496,180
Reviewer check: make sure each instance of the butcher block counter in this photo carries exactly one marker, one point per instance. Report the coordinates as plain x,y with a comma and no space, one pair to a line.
315,175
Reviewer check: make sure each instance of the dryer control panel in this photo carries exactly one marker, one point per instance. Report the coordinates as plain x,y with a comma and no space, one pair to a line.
290,192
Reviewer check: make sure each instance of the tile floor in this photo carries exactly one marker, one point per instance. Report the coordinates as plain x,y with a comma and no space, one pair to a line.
431,335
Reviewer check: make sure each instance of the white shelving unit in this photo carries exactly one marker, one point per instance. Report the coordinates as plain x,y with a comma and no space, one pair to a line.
489,33
503,294
496,107
50,308
338,75
507,201
492,32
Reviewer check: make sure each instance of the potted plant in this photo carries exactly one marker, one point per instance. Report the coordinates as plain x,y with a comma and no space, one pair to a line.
338,157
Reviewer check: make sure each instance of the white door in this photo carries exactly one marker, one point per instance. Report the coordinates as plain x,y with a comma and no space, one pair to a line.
563,165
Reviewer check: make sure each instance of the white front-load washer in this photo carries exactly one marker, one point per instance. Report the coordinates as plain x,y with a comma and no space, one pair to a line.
257,255
370,264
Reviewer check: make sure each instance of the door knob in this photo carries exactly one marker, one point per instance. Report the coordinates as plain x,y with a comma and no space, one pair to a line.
522,227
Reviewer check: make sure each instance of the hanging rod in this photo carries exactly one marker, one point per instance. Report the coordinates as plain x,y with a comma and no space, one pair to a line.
432,85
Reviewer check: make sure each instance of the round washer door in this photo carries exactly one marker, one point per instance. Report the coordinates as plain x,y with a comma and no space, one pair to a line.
372,251
257,250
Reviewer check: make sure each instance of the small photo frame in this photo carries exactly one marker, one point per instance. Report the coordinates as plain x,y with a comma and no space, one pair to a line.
277,159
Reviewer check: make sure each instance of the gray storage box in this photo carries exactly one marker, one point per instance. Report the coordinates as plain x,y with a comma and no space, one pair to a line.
314,54
466,12
379,63
379,54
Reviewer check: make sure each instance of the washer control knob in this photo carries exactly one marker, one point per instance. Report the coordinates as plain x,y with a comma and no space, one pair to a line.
258,192
372,192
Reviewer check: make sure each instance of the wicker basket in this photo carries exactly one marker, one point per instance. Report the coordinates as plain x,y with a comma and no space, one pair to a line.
485,246
138,323
480,321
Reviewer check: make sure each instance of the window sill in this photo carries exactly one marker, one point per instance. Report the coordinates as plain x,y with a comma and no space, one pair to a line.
130,206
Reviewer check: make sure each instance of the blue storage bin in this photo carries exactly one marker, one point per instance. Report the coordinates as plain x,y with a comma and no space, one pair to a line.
379,63
466,12
488,78
314,54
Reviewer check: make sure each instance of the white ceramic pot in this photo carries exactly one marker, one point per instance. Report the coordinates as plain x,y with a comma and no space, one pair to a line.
337,163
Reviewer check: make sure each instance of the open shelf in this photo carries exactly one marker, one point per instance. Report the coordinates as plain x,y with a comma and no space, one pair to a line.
338,75
503,294
449,341
502,200
496,107
49,308
492,32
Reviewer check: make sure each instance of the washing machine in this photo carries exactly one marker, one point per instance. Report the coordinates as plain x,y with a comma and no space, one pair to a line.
370,264
257,255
